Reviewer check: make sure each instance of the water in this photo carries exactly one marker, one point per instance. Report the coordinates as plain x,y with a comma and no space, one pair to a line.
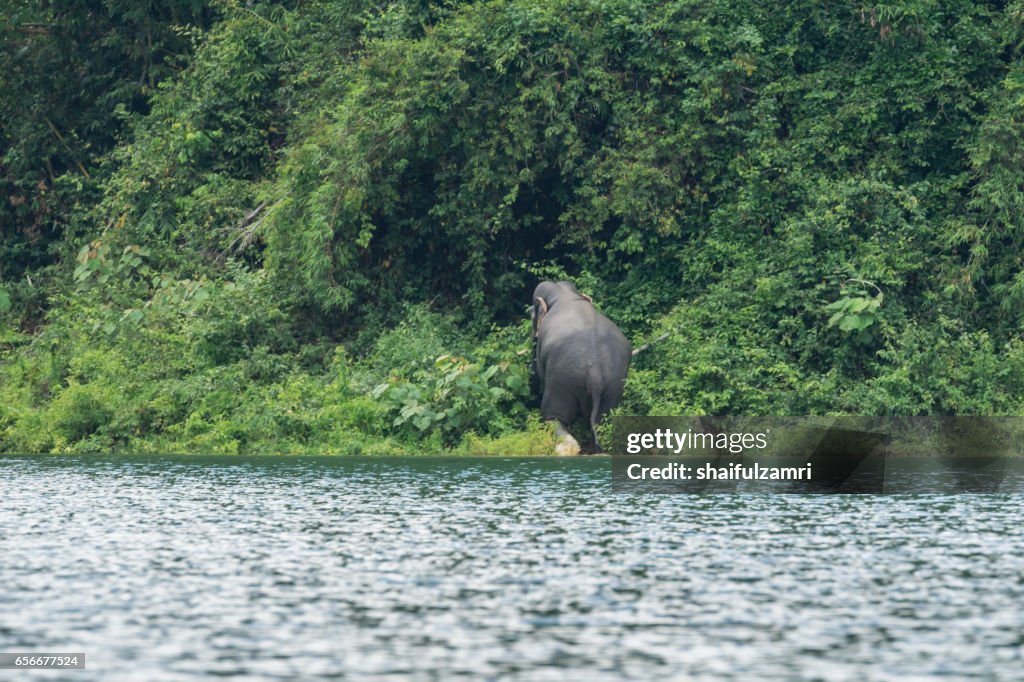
521,569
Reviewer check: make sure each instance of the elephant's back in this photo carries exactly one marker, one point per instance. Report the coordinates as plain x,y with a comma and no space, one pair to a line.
613,349
580,337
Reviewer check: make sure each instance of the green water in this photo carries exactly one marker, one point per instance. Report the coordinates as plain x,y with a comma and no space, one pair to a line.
522,569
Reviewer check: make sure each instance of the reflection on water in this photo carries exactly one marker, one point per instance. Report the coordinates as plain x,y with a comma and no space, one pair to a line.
188,568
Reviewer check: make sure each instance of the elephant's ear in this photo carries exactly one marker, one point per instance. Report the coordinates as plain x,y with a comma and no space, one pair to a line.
587,298
540,309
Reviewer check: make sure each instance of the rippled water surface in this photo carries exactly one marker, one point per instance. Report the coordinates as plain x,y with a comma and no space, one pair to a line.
192,568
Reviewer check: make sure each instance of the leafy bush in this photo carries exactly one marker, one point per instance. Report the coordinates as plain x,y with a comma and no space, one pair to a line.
456,397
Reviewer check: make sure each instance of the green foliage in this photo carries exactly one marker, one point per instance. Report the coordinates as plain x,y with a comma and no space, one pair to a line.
409,347
855,313
69,74
536,438
457,396
293,227
943,369
190,173
213,366
96,264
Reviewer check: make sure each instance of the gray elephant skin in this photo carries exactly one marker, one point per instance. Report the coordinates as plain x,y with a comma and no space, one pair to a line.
580,357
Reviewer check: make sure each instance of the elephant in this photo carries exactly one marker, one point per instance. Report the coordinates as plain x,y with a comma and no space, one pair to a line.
580,359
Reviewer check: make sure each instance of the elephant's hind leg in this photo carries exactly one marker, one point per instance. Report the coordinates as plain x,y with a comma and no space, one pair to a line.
567,445
562,410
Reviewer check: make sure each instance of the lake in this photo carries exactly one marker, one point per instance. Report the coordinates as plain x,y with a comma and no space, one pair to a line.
188,568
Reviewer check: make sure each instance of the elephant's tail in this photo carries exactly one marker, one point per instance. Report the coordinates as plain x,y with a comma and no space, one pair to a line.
595,387
595,414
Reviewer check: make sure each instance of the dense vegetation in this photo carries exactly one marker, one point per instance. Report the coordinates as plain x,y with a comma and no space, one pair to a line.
315,226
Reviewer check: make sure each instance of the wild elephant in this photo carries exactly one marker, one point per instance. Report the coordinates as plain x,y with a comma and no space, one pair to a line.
580,358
